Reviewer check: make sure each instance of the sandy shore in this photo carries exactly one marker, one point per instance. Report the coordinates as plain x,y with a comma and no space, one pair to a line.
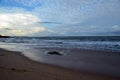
14,66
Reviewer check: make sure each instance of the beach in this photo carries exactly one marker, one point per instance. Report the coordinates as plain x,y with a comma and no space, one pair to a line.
14,66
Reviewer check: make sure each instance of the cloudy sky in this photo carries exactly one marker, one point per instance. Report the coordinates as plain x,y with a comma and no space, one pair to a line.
59,17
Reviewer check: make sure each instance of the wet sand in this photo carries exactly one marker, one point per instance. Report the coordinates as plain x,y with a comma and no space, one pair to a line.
14,66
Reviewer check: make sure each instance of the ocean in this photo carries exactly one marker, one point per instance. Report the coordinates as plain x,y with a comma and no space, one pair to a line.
97,54
104,43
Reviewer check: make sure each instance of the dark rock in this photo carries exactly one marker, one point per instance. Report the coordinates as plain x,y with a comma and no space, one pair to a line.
13,69
54,53
25,70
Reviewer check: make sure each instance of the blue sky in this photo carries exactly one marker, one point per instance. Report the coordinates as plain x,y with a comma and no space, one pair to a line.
59,17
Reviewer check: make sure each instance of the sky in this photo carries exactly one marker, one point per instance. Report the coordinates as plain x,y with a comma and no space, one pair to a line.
60,17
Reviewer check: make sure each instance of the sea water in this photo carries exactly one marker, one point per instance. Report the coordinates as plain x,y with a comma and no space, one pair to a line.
105,43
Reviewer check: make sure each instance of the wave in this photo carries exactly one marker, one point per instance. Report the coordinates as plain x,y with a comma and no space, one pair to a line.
110,44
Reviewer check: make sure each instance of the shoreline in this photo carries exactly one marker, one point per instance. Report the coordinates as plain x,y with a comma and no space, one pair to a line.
14,66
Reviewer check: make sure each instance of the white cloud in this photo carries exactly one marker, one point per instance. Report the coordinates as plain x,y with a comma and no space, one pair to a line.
38,29
4,25
17,19
20,24
24,32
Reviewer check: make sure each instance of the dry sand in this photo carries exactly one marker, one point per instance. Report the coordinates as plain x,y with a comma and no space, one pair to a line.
14,66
